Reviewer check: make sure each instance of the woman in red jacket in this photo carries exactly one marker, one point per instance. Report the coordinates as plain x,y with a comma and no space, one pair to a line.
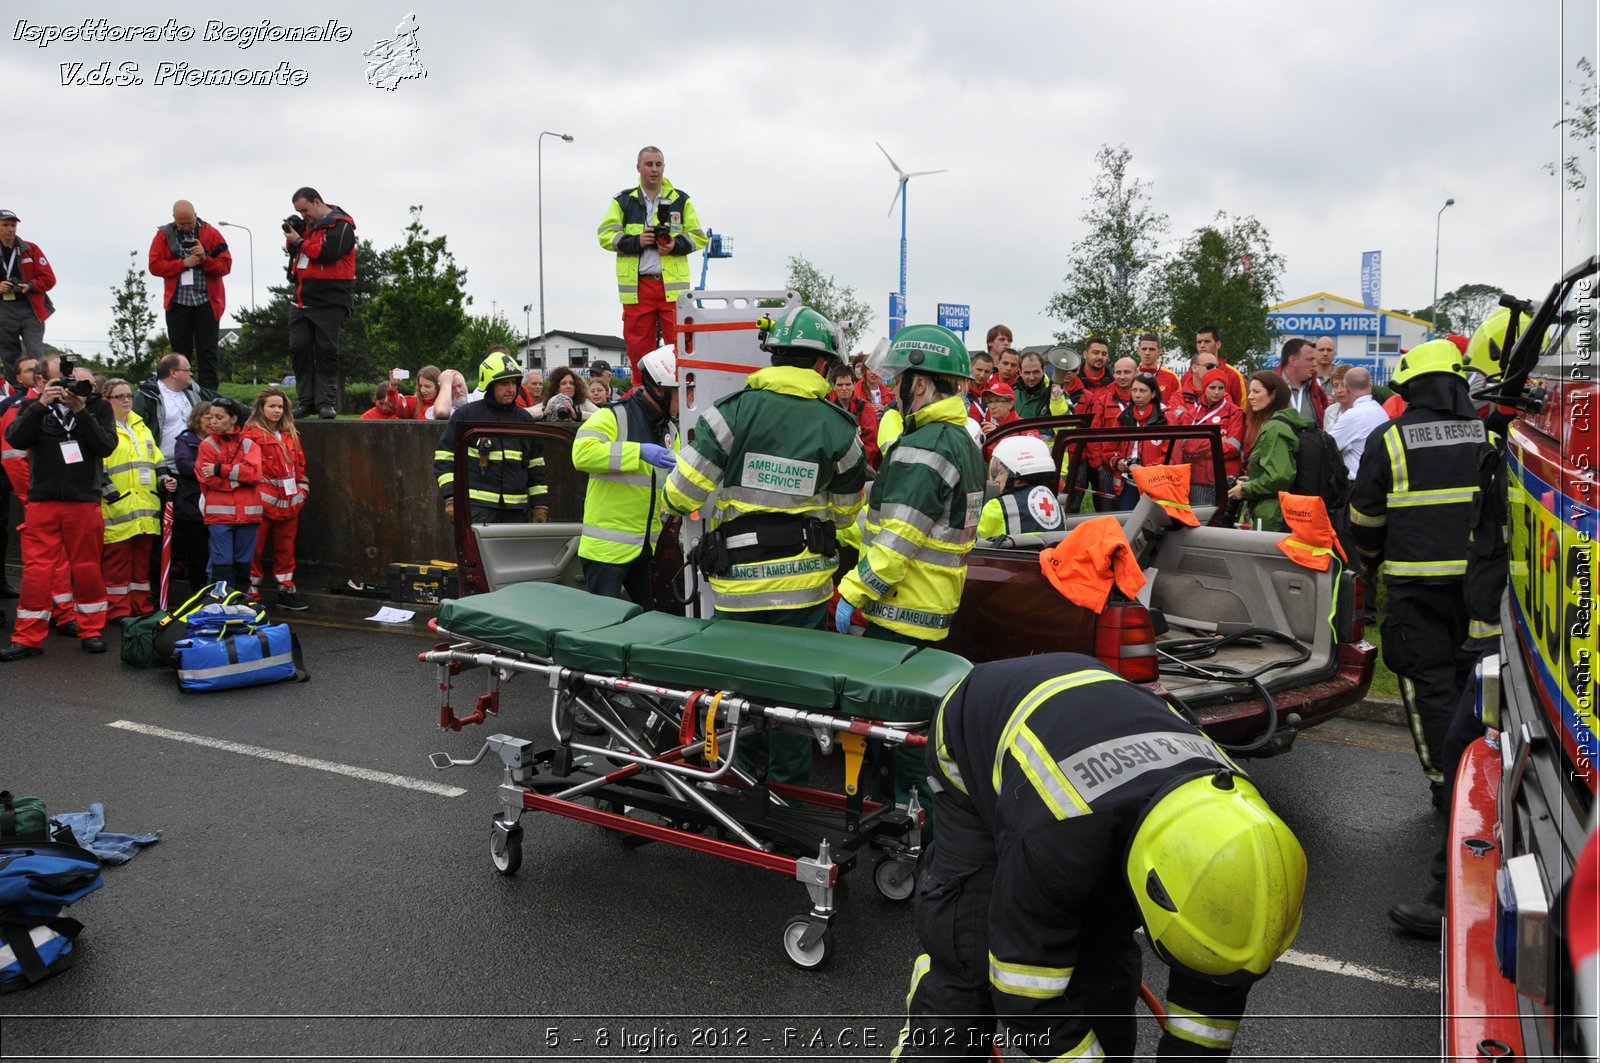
1145,411
1216,407
284,490
229,470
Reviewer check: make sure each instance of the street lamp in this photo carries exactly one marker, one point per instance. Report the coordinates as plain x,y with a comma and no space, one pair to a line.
527,332
1433,311
254,370
539,152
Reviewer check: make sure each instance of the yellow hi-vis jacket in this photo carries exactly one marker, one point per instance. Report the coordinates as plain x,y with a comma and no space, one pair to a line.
625,222
131,468
622,504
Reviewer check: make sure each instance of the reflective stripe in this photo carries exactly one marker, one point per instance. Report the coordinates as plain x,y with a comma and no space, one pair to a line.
62,599
235,669
919,970
947,763
612,535
90,607
718,425
123,518
632,479
1425,568
1362,520
1441,496
797,599
1036,697
1200,1029
1315,550
852,457
12,455
701,464
120,592
1480,629
771,500
610,226
1058,794
910,550
498,498
138,586
903,615
676,286
1022,980
1399,474
628,289
33,614
799,566
870,579
931,458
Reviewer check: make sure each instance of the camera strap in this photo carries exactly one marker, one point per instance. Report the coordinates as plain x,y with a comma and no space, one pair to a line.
67,422
11,262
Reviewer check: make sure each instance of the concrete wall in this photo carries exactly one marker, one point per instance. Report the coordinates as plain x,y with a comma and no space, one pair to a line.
375,500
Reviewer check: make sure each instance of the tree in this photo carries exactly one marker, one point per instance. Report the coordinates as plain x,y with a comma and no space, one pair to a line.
262,350
481,332
131,322
1111,272
1464,309
1580,123
834,301
1225,274
418,309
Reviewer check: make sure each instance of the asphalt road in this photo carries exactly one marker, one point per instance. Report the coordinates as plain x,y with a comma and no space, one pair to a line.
293,912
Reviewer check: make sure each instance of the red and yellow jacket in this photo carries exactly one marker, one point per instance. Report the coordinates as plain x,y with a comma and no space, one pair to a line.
233,495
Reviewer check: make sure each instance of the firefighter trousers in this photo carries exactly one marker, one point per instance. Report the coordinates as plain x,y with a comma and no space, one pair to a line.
950,1010
1423,633
275,547
61,536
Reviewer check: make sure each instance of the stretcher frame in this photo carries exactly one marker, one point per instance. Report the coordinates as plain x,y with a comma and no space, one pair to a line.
683,771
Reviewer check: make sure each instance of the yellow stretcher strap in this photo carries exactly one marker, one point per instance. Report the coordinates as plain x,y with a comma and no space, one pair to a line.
713,752
854,747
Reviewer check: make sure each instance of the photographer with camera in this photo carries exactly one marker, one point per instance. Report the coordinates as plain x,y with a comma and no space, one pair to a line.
652,229
191,258
322,267
70,431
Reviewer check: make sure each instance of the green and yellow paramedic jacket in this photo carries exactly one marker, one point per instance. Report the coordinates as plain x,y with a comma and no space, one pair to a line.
1412,500
922,520
503,472
625,221
131,469
1058,757
778,446
622,504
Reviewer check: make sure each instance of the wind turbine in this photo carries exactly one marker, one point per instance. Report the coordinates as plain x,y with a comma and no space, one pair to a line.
900,196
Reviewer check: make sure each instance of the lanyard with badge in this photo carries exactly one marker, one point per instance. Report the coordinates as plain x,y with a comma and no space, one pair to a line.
11,264
71,452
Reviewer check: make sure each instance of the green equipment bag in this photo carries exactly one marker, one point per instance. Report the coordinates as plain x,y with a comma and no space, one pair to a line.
139,638
153,640
22,819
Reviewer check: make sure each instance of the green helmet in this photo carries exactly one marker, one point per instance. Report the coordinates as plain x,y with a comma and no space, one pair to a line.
928,349
1435,356
498,366
801,330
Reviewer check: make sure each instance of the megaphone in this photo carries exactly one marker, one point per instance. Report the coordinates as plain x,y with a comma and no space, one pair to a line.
1064,358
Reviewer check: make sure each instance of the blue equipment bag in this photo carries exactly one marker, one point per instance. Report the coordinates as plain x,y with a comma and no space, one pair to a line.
267,654
38,879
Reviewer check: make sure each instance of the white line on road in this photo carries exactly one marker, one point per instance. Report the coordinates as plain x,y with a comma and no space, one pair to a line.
291,758
1354,970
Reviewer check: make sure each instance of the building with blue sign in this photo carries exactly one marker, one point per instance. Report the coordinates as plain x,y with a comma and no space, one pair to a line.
1369,338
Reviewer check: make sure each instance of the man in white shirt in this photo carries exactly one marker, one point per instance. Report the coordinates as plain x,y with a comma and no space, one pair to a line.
163,402
1357,420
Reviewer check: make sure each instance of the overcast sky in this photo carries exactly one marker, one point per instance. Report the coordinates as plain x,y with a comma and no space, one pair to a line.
1342,128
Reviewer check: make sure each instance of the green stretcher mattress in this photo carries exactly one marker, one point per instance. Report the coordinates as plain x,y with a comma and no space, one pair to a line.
796,667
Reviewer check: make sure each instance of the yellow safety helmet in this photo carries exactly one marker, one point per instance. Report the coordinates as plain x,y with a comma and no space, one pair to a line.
498,366
1218,877
1435,356
1488,344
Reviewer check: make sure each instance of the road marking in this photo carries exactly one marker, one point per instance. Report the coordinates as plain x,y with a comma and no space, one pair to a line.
1314,962
296,760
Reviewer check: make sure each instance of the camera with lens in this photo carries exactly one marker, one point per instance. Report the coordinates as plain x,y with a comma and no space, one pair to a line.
295,222
187,243
81,388
664,223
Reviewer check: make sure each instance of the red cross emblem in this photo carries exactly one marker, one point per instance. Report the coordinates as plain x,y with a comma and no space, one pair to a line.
1048,507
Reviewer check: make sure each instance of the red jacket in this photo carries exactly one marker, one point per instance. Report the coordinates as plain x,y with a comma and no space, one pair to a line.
1086,392
1171,387
1319,398
233,495
1230,419
166,262
36,274
1109,402
860,395
867,418
284,487
1149,452
14,459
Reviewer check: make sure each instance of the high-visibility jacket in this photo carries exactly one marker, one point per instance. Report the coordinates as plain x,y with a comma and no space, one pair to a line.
1019,511
1412,500
890,427
503,472
131,470
625,221
622,503
284,487
922,521
778,446
232,496
1057,757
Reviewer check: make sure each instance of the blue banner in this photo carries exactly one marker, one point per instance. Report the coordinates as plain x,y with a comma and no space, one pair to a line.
1314,324
954,316
897,313
1372,279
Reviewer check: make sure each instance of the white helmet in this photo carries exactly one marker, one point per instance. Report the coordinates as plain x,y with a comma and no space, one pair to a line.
975,431
660,366
1021,456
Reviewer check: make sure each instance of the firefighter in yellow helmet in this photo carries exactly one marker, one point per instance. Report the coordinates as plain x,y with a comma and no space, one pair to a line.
1073,807
505,473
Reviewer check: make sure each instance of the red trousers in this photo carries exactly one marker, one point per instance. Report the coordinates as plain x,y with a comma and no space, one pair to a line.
125,567
61,536
641,320
279,554
60,581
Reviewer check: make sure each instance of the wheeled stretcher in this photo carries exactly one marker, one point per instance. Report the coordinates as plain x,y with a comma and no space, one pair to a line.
677,698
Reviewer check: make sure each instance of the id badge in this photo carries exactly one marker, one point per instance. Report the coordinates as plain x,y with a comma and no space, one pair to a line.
147,477
291,487
186,279
302,262
9,297
71,452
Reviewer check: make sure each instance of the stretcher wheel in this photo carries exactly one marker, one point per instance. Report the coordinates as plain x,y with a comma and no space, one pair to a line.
896,879
505,848
806,957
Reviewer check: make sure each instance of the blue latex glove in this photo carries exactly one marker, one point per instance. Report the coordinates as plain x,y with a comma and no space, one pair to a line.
659,456
841,616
